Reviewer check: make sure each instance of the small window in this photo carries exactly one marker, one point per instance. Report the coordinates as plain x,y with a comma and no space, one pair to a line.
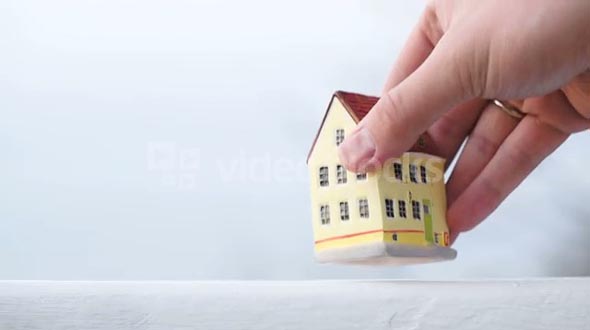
364,208
344,216
397,171
361,176
325,214
402,209
341,174
423,174
394,236
426,209
324,176
389,208
436,240
416,210
413,173
339,136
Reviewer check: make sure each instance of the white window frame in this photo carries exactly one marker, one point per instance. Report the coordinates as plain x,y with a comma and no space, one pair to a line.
416,210
341,176
324,176
398,171
413,173
363,208
402,209
390,208
325,214
423,174
339,136
344,211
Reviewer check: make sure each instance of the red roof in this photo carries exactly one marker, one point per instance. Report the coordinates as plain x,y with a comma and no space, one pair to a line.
358,106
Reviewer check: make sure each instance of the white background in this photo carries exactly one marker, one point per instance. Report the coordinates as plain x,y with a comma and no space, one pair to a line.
167,140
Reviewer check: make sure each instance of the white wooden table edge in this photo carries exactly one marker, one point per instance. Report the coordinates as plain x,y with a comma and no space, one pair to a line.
554,303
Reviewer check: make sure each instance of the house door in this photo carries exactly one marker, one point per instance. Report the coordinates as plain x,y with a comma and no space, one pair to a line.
428,231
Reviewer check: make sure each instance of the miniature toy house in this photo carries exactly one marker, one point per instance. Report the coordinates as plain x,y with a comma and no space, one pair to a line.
394,215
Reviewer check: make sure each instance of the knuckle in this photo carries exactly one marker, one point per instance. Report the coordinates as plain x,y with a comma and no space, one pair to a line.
522,158
493,192
469,79
484,145
429,23
429,14
468,71
430,5
449,128
478,81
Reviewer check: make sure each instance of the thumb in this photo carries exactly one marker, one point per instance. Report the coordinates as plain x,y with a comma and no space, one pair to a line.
409,109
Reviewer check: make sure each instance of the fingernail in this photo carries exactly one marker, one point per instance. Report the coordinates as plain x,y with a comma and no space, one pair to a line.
357,150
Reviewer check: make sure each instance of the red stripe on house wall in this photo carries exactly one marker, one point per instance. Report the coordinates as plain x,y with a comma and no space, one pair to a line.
369,232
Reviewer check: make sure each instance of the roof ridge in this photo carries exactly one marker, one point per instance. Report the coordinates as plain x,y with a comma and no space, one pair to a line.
358,106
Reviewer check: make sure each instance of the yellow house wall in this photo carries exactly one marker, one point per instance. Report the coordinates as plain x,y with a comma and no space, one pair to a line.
325,153
375,189
397,190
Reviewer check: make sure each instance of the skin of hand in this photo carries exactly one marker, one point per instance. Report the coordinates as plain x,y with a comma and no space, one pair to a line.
461,54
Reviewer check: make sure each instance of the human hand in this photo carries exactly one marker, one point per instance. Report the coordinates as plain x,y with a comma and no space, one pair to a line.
461,54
